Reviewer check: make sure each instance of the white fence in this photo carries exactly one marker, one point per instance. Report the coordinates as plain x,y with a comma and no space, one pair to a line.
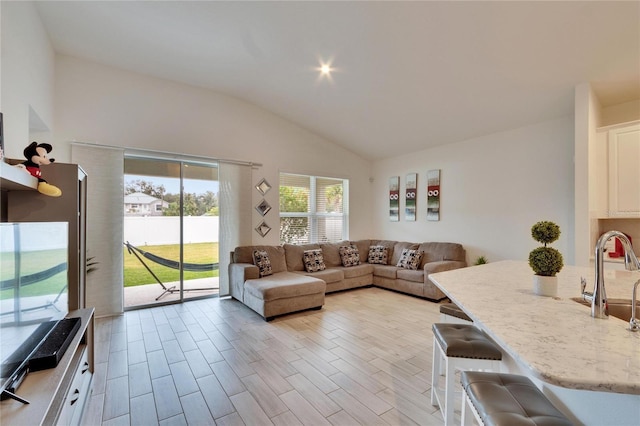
157,230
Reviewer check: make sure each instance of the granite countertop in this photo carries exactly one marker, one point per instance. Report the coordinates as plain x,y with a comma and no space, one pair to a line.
555,338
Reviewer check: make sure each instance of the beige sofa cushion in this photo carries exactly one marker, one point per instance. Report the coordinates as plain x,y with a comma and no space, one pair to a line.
331,253
394,257
356,271
329,276
363,249
411,275
244,254
435,252
385,271
293,255
284,285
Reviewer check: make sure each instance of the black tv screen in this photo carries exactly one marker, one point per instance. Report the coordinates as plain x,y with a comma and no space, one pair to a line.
33,291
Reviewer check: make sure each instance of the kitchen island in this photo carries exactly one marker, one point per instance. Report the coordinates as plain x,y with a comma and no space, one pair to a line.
589,368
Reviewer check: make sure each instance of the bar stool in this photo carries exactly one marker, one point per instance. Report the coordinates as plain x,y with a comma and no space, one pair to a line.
451,313
509,399
460,347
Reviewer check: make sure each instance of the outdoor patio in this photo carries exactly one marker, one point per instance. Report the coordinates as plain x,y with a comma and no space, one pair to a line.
147,294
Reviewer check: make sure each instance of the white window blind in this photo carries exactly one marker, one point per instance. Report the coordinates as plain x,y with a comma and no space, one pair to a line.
312,209
105,227
235,215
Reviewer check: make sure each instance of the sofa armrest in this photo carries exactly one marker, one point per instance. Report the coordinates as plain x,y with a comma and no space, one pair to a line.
238,274
443,265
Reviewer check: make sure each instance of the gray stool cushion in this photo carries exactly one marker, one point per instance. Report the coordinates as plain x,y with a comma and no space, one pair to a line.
453,310
509,400
465,341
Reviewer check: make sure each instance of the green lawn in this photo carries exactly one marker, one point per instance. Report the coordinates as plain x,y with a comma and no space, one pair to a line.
136,274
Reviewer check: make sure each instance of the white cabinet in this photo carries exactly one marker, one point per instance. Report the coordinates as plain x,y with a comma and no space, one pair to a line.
624,171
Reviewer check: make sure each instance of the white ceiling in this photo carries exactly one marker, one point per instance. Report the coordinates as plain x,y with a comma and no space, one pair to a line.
408,75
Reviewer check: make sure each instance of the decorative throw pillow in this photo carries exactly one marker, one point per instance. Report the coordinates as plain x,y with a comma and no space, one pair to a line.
349,255
410,259
313,260
262,261
378,254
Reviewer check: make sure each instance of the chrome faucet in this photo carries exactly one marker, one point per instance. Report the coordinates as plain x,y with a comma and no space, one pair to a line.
598,299
634,325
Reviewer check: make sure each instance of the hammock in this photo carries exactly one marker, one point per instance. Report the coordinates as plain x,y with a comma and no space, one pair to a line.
193,267
173,264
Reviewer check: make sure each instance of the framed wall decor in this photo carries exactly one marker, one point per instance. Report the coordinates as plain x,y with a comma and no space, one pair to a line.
263,207
411,191
263,229
263,186
394,199
433,195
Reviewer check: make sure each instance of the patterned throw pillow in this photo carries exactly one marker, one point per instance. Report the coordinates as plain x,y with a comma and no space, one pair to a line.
410,259
262,261
349,255
313,260
378,254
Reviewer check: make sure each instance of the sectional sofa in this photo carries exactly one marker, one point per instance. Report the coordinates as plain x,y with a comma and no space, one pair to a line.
276,280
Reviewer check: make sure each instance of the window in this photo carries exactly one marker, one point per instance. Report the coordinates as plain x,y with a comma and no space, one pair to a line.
313,209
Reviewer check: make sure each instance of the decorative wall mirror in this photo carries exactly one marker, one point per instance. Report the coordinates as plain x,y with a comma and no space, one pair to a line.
263,229
263,208
263,186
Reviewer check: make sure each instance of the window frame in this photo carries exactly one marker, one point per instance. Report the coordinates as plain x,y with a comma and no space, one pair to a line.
313,215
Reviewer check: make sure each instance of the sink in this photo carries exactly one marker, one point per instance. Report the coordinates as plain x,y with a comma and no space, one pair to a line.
619,308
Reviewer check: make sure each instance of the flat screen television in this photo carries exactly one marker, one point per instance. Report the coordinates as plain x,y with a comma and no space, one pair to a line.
33,292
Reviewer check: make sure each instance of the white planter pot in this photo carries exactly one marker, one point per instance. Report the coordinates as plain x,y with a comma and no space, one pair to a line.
545,286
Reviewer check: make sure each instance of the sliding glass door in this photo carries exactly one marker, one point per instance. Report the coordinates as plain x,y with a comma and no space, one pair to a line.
171,237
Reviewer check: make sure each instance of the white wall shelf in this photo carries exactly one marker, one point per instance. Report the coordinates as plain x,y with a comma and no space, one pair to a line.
14,179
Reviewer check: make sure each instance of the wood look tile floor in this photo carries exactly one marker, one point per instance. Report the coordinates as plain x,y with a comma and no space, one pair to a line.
364,358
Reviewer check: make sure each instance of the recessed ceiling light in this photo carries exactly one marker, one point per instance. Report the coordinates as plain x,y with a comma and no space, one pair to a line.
325,69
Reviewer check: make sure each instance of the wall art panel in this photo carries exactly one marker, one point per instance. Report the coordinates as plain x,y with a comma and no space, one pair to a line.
394,198
433,195
411,192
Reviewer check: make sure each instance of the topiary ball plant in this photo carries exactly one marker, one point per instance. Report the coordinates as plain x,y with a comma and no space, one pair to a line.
545,261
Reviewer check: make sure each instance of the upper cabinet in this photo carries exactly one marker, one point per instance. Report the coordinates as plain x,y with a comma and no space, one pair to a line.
624,171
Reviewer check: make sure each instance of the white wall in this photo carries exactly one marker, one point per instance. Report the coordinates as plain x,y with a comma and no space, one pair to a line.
95,103
586,120
493,188
27,77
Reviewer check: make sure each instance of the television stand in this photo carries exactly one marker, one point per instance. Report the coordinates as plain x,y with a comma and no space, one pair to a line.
57,395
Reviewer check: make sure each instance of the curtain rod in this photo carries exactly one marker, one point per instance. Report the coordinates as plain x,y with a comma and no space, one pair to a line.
149,153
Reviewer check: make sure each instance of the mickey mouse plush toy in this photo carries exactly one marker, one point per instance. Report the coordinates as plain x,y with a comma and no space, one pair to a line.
36,155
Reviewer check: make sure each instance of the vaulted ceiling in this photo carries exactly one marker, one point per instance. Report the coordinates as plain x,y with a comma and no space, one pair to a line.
405,75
